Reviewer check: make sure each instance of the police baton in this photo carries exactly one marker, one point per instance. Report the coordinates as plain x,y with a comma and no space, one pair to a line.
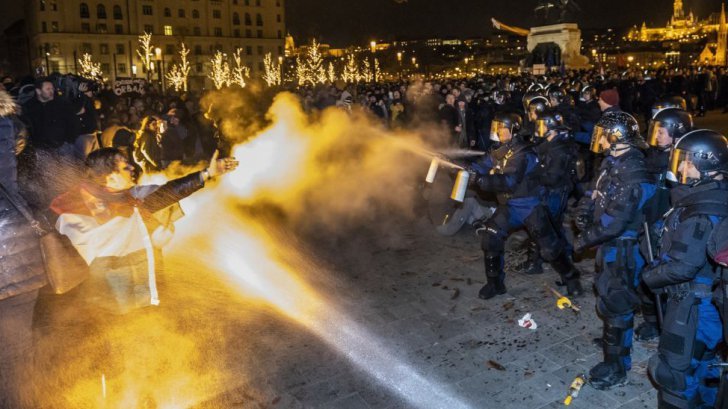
658,300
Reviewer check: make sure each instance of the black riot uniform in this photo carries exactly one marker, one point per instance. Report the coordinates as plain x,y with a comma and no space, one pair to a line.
683,366
666,127
718,252
555,176
611,217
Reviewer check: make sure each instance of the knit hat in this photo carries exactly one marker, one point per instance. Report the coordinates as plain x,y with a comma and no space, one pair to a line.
610,96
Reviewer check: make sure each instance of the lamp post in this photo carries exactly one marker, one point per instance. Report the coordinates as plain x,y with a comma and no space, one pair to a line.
399,62
133,71
160,61
373,48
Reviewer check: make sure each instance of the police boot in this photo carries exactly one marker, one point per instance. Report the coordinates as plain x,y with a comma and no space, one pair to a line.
612,371
569,274
495,276
532,264
666,400
646,331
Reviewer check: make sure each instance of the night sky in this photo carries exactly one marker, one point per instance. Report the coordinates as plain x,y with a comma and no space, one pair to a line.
342,22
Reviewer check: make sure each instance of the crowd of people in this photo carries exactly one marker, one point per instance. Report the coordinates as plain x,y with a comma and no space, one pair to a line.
648,193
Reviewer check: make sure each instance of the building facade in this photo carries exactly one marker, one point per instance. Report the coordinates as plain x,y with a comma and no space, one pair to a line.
61,31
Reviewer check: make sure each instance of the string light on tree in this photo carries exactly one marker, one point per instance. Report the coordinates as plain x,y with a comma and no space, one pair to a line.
145,51
219,70
272,74
351,70
331,73
178,74
240,72
90,69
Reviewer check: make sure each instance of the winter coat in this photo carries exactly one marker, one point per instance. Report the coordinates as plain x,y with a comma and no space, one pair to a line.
21,263
51,123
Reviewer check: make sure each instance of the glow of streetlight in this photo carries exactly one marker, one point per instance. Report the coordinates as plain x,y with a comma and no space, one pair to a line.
399,56
414,60
373,46
158,52
630,58
133,69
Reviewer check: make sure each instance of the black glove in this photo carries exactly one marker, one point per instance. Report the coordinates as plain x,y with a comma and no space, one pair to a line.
474,178
579,245
584,214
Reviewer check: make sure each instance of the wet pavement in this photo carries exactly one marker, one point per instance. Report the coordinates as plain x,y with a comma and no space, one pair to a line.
416,292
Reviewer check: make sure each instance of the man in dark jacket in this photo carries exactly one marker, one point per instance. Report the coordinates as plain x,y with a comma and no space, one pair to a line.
21,270
52,123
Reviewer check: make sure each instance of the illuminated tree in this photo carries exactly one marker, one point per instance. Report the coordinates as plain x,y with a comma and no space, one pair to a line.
351,70
175,77
366,72
240,72
145,50
376,73
315,64
178,74
331,73
88,68
272,74
302,74
219,70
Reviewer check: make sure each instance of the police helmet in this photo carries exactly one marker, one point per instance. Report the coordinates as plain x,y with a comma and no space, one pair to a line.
703,149
537,105
528,97
675,122
669,102
505,120
588,93
617,128
548,121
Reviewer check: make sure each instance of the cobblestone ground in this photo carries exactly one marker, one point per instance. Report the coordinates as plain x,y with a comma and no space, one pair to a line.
418,295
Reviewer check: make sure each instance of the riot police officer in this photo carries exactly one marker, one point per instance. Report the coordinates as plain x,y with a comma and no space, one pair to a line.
588,108
718,252
610,217
692,328
666,127
556,176
502,172
512,172
537,105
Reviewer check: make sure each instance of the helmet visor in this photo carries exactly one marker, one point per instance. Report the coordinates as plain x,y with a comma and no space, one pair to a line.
679,162
495,130
658,135
541,128
598,135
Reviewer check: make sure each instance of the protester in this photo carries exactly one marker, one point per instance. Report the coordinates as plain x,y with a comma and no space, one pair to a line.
110,221
21,269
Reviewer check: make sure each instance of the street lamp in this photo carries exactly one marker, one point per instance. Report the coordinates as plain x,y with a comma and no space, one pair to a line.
133,71
158,53
399,62
373,48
